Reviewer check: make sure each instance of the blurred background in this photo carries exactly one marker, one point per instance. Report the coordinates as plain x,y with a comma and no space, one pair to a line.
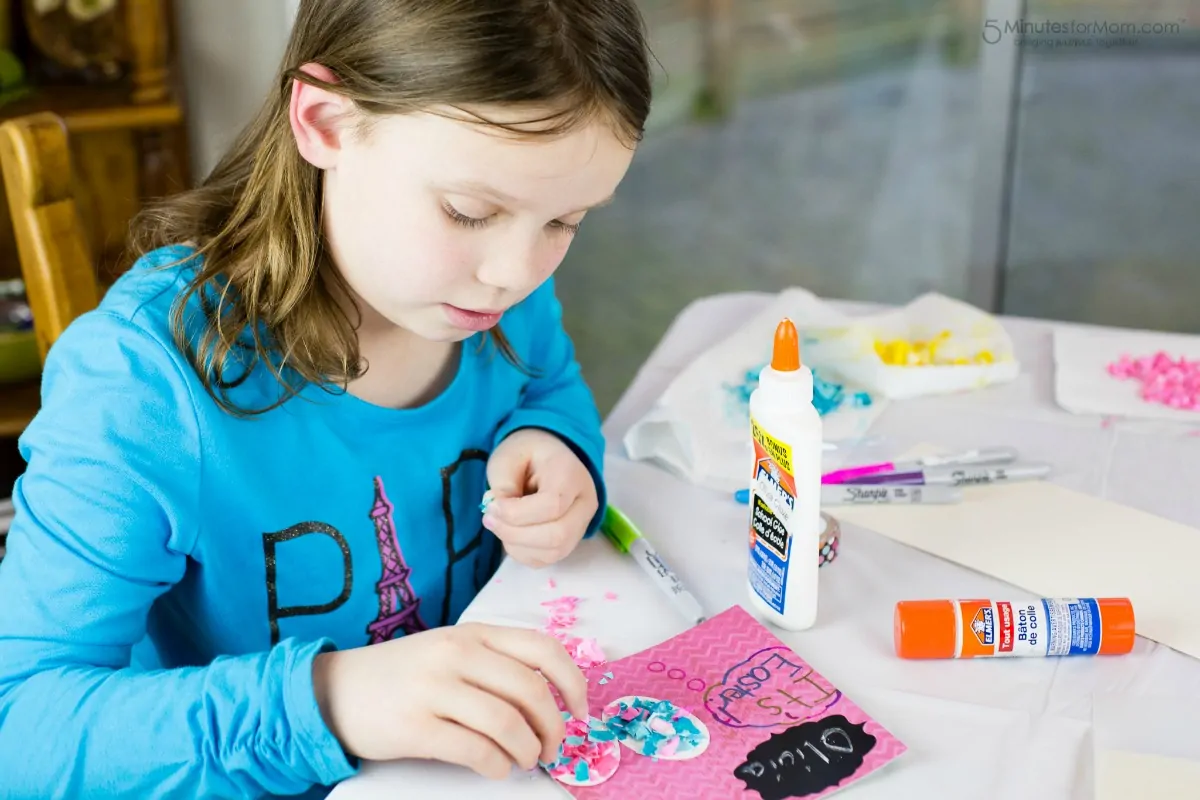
878,149
862,149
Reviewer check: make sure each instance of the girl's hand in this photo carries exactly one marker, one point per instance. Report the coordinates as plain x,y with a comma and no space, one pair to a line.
469,695
542,497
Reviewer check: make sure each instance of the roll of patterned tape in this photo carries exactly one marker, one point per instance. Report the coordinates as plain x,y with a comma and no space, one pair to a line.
831,539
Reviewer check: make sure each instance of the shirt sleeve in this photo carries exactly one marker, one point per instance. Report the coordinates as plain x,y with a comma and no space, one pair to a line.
105,516
556,398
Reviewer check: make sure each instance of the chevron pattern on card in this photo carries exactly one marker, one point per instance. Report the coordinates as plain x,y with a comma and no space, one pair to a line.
745,685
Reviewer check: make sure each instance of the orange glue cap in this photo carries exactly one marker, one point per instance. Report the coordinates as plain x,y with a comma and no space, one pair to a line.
925,629
1119,626
785,357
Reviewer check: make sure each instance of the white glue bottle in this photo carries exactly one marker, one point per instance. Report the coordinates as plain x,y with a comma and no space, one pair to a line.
785,493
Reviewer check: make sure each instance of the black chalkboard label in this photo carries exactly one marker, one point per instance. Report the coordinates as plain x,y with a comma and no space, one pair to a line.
806,759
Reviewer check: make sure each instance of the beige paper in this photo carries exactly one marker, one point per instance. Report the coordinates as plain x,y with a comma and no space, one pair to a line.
1133,776
1055,542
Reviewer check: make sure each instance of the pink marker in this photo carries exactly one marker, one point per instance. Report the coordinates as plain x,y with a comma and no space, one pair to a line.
987,455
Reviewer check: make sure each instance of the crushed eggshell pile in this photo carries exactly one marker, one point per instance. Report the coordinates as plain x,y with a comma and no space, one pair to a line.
561,612
584,651
589,754
829,396
656,728
924,353
591,750
1164,380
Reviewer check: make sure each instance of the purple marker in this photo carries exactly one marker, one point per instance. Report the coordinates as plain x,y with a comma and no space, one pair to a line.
955,477
988,455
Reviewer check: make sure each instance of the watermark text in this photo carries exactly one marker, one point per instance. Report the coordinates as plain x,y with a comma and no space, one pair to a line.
1076,33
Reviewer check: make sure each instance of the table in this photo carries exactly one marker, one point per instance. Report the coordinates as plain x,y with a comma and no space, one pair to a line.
992,730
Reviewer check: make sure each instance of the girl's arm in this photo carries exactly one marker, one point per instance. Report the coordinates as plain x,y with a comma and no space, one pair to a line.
106,515
557,399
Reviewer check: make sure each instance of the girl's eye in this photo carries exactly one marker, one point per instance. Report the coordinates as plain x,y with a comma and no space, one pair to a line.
570,229
565,227
463,219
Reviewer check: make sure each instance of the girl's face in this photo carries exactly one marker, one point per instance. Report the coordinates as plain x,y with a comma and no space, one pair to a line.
440,225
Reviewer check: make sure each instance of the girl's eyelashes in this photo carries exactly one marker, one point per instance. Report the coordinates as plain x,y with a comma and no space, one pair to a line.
570,229
463,219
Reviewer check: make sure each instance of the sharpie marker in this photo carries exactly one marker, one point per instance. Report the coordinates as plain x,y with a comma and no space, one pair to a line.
856,495
986,455
625,536
956,477
859,495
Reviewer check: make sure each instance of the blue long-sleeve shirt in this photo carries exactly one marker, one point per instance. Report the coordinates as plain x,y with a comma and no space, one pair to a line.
238,547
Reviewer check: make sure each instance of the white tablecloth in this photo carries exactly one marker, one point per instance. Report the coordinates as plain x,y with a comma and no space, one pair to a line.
996,730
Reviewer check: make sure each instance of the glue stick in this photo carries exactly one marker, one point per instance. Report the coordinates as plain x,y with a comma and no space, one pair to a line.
1084,626
785,489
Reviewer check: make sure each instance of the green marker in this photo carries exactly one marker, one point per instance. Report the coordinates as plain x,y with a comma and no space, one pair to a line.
625,536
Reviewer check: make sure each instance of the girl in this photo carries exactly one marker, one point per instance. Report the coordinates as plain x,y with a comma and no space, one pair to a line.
264,453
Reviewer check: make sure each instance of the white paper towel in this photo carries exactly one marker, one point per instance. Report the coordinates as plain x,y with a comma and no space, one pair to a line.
970,334
699,429
1082,384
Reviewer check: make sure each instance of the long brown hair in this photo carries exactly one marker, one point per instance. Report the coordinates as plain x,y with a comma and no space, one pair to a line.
267,287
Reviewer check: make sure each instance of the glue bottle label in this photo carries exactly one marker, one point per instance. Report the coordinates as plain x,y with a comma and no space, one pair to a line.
772,506
1063,627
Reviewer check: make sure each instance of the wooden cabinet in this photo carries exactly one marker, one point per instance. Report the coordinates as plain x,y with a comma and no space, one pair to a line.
128,135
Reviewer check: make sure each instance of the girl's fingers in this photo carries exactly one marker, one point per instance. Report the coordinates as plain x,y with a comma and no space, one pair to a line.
513,681
536,559
456,744
547,504
549,536
546,655
489,716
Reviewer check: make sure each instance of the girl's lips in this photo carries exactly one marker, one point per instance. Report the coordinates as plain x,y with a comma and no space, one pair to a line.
472,320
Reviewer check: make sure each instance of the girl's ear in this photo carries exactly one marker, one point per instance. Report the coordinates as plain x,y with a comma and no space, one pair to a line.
316,114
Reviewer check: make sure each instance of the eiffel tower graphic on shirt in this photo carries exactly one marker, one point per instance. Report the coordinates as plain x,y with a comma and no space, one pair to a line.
399,607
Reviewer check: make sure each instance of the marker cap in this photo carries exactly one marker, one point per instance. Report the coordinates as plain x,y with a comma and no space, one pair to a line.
1117,633
925,629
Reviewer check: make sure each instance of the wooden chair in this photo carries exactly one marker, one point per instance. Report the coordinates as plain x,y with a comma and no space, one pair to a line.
56,263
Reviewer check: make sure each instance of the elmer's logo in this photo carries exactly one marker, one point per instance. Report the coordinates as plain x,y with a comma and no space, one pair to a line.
984,627
769,480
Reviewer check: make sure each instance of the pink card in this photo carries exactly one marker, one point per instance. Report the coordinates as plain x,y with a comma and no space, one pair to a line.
760,722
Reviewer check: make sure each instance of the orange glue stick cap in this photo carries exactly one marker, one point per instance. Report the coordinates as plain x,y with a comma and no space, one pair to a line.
925,629
1117,632
785,357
